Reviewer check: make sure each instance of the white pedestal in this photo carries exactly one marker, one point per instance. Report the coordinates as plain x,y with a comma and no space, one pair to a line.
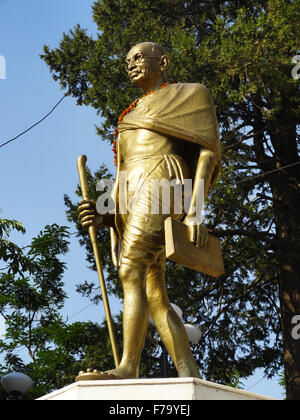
151,389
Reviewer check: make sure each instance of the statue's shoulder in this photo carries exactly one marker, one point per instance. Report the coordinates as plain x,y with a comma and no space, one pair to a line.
194,89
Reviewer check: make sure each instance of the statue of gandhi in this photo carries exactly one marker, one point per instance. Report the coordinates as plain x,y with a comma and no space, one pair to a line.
170,133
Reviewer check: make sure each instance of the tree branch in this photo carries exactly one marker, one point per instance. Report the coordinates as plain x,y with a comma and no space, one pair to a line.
262,236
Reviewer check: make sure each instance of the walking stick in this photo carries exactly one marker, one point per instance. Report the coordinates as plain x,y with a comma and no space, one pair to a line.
81,165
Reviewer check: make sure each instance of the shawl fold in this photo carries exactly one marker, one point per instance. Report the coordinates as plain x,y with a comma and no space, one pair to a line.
182,110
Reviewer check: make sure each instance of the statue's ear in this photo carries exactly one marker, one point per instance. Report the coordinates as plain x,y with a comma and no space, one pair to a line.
164,62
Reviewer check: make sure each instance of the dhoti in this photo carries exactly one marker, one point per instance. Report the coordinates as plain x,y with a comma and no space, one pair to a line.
140,231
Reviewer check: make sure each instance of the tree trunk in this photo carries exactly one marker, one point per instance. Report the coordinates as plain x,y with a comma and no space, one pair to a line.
289,285
285,185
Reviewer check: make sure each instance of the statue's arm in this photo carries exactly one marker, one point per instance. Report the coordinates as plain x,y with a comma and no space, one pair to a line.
205,168
202,182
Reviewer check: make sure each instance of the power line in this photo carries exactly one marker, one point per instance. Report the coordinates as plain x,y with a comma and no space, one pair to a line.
267,173
237,182
256,383
67,320
37,123
59,102
79,312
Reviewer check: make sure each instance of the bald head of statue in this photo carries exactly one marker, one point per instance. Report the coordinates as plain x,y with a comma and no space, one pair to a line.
146,65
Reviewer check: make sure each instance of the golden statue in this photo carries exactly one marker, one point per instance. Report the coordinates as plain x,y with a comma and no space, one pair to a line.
170,133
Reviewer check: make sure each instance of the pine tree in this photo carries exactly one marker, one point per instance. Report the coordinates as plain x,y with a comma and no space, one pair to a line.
243,52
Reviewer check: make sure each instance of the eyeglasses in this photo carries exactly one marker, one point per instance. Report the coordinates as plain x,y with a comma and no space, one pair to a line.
137,59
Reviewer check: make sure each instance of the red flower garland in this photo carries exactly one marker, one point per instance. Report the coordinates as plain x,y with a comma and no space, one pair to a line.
125,112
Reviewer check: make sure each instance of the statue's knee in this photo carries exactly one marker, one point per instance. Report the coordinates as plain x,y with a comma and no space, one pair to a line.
131,272
124,272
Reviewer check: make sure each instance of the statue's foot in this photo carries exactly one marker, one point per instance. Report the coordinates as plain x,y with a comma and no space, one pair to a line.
96,375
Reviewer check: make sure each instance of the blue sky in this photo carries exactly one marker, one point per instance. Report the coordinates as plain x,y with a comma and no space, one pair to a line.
40,167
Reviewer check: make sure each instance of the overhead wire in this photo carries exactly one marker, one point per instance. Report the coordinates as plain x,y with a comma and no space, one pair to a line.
66,94
267,173
35,124
256,383
80,231
237,182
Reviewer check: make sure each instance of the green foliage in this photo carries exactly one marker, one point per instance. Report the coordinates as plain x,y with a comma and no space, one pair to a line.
282,381
73,348
31,293
37,341
10,253
234,380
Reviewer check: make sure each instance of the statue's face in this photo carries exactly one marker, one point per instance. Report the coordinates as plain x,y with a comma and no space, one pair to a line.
143,64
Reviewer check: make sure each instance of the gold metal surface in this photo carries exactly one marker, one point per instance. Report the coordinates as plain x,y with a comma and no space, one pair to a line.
170,134
81,165
207,259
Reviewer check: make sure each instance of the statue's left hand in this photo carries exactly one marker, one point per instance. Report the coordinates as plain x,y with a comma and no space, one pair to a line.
198,234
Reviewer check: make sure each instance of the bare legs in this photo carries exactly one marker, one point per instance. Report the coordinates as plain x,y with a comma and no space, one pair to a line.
170,327
135,319
145,293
